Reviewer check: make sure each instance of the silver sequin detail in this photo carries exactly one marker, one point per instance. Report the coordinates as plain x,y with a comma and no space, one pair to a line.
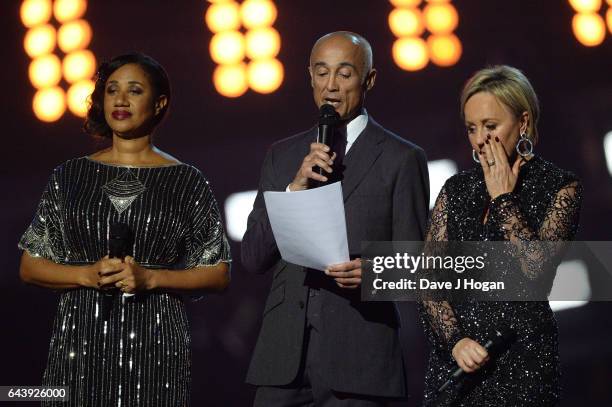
123,190
136,352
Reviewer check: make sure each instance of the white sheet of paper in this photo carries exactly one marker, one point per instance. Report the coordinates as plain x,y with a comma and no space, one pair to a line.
309,226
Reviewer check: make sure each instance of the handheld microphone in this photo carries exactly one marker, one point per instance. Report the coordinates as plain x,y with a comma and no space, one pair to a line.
119,241
119,237
501,339
328,120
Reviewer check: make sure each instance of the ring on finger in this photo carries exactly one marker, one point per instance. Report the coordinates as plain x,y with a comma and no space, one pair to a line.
491,163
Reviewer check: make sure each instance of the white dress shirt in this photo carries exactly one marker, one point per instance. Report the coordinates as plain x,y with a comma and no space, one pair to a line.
354,128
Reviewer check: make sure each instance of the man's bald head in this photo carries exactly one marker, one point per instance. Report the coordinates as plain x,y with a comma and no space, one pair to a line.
341,72
365,49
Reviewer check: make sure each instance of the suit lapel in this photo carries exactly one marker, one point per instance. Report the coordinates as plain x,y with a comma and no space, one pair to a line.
361,157
311,137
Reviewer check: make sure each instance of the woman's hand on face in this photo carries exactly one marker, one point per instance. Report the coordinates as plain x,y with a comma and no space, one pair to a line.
132,277
470,355
500,178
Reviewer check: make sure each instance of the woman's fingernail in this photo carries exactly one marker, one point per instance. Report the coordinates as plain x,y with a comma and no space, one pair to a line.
497,139
488,136
487,141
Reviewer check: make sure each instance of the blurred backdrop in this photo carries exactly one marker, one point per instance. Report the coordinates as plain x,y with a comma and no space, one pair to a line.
236,92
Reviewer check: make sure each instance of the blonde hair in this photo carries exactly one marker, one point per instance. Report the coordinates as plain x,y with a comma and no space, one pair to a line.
511,87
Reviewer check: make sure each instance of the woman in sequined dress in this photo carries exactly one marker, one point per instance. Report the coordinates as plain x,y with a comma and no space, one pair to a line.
511,195
109,348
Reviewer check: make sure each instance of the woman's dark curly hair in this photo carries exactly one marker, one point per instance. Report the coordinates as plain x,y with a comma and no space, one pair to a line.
95,123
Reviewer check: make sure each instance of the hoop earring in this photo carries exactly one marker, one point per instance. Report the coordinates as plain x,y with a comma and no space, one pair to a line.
524,147
475,157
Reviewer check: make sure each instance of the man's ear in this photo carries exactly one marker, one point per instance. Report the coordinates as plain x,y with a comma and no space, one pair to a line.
370,79
311,77
161,103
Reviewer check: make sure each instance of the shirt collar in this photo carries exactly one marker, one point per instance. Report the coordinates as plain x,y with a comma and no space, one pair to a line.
356,126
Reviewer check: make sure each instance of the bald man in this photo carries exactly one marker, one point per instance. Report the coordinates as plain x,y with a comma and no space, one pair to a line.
319,344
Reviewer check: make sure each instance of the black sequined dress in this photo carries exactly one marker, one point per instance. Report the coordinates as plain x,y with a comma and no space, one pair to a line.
544,206
118,350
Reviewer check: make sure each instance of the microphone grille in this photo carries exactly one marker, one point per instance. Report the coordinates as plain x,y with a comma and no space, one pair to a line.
328,115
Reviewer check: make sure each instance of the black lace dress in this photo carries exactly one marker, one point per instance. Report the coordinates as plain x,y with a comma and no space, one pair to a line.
544,206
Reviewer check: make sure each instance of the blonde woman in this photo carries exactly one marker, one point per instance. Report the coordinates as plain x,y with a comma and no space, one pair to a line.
512,195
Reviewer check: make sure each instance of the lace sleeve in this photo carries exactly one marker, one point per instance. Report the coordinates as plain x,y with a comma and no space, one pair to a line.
439,315
560,224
